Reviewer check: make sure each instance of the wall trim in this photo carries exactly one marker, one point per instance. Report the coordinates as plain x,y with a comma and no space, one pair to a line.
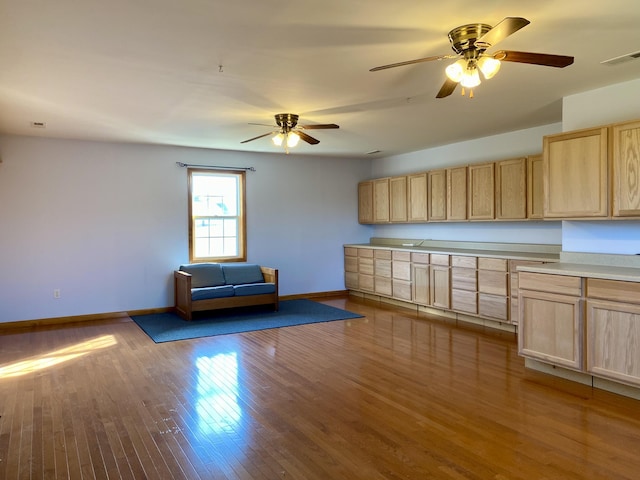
40,322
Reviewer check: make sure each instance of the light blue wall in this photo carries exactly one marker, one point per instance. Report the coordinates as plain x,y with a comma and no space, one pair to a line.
106,223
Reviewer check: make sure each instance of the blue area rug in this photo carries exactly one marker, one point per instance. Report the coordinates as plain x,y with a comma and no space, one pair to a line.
168,327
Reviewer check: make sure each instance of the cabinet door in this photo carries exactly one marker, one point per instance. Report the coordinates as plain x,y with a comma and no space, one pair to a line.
420,287
437,190
365,202
626,169
417,207
575,169
551,328
381,200
457,193
440,286
511,189
535,187
398,199
613,340
481,192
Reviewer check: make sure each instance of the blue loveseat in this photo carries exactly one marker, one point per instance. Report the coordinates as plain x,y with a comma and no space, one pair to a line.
210,286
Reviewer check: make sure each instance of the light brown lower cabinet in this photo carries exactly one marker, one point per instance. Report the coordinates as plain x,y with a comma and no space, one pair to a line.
613,330
613,341
440,286
420,278
551,328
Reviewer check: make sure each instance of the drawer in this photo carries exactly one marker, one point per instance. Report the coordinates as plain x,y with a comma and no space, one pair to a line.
464,301
350,252
493,306
497,264
365,282
401,270
365,266
419,257
401,290
464,279
464,261
494,282
382,268
351,280
401,255
365,252
351,264
382,286
546,282
382,254
613,290
439,259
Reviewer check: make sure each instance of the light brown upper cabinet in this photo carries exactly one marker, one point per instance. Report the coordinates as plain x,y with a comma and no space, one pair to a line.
398,199
481,192
575,169
535,187
437,191
365,202
381,200
626,169
511,189
417,207
457,193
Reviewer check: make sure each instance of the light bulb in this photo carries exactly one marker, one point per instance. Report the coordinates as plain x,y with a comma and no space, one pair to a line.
292,139
489,66
456,70
470,78
277,140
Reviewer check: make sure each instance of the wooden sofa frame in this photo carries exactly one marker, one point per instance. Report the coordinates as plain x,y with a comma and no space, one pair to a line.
185,307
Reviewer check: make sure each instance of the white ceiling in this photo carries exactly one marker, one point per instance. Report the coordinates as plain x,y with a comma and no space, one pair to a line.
197,72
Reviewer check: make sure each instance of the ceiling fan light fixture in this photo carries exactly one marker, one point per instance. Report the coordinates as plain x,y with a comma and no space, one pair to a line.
456,70
489,66
278,139
292,139
470,78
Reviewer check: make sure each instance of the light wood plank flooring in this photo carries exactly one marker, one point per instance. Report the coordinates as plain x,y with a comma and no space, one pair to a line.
393,395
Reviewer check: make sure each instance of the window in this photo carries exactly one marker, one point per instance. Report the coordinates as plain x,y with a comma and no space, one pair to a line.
216,216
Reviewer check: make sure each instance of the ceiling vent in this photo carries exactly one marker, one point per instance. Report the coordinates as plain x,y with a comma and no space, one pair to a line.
622,58
39,124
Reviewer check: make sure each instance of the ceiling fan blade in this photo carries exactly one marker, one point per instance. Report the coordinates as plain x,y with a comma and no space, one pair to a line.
411,62
263,125
502,30
319,126
447,88
259,136
307,138
558,61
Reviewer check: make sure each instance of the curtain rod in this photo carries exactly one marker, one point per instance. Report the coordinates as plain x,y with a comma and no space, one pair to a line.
215,167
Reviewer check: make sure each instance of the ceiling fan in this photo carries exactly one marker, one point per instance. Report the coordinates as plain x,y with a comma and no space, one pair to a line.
470,43
289,133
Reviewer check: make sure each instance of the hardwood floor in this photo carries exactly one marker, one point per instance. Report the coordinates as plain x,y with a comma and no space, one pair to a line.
393,395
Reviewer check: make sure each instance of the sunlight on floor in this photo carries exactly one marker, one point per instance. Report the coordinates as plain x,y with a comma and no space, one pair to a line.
56,357
217,407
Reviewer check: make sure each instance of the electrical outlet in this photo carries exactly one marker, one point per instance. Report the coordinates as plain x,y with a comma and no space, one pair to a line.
56,293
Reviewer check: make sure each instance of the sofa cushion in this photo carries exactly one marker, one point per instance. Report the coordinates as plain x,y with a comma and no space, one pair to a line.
254,289
204,274
242,273
205,293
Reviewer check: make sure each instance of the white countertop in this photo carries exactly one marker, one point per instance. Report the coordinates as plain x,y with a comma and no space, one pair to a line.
627,274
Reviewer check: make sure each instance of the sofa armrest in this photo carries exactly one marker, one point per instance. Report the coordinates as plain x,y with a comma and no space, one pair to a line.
270,275
182,293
